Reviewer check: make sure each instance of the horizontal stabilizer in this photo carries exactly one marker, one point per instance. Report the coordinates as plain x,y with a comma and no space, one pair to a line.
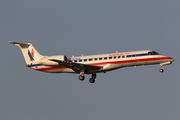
23,45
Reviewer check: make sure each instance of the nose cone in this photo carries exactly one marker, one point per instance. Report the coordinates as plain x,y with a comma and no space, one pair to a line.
171,59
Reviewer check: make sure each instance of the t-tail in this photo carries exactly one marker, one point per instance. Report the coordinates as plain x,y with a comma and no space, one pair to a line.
29,52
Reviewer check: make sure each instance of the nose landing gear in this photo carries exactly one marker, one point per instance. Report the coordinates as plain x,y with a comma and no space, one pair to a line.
165,63
161,70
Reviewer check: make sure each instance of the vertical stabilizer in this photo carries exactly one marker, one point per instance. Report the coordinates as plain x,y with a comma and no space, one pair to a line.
29,52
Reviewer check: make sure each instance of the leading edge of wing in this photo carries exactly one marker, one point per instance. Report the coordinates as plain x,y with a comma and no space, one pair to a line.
77,67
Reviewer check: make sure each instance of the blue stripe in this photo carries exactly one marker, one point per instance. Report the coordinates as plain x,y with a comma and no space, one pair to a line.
30,56
35,65
141,54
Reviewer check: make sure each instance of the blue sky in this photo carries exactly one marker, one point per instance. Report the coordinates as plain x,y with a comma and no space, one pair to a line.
76,27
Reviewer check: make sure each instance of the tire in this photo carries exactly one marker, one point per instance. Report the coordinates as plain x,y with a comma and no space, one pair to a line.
161,70
81,77
91,80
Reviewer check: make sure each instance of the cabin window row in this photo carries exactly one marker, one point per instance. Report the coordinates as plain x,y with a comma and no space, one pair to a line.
101,58
117,57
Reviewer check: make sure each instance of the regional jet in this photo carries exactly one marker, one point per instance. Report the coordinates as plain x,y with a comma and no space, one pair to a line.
91,64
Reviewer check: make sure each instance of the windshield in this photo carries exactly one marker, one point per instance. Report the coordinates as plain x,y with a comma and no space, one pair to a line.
153,53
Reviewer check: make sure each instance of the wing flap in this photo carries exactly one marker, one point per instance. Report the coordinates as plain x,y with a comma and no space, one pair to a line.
77,67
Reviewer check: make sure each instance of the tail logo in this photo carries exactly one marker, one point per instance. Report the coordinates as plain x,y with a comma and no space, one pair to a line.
31,55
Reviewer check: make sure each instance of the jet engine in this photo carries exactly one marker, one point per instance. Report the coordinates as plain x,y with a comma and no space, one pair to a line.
48,60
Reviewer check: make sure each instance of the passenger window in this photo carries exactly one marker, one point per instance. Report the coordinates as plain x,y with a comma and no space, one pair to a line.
95,59
110,57
75,60
85,60
100,58
105,58
114,57
128,55
80,60
119,56
90,59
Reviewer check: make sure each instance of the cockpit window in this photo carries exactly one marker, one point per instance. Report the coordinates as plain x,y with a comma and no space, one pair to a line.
153,53
150,53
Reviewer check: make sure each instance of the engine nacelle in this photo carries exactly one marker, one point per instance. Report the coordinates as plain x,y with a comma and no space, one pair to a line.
48,62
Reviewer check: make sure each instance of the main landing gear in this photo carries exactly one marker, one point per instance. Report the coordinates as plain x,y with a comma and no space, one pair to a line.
81,77
91,80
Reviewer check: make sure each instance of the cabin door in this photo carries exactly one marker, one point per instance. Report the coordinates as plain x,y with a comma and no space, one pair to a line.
133,59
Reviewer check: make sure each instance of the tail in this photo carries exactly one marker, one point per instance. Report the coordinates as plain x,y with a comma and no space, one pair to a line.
29,52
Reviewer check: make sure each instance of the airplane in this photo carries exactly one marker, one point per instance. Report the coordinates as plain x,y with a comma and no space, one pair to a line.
91,64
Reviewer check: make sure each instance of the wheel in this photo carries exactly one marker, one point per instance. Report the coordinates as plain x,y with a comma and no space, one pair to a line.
91,80
81,77
161,70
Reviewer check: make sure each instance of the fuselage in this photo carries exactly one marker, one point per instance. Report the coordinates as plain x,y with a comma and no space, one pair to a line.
91,64
108,62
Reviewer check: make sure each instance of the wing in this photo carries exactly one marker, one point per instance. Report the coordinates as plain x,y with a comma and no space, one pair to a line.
77,67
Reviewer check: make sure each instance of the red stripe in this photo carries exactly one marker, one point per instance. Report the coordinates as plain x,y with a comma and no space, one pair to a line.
50,68
163,58
115,62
